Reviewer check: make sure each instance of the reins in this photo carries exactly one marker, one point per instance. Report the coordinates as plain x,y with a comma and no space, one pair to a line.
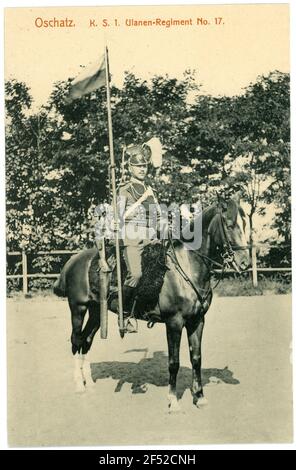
227,257
202,298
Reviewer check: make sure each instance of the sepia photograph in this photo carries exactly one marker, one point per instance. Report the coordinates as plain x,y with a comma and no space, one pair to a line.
148,225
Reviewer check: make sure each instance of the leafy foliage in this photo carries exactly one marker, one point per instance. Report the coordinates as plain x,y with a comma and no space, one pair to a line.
57,157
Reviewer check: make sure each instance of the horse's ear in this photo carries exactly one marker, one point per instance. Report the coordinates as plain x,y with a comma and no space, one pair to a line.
222,201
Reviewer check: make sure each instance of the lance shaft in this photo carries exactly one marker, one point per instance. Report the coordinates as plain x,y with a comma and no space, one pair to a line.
114,196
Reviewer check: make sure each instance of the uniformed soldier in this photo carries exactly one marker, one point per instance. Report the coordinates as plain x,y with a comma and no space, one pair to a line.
140,204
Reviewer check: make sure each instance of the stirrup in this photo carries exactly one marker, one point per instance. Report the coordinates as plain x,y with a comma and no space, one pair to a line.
151,317
130,325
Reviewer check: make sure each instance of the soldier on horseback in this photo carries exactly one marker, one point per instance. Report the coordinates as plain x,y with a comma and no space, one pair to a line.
139,221
140,205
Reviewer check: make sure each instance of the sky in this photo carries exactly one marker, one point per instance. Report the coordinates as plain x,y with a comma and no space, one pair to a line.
248,41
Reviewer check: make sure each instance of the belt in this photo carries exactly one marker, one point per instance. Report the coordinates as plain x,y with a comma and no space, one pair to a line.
139,223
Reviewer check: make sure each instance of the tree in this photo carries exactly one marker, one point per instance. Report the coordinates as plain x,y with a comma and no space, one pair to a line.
262,145
58,157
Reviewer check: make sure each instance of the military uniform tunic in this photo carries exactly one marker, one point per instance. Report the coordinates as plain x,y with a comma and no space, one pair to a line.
139,227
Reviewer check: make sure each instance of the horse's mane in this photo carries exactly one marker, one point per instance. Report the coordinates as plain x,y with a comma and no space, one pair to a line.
206,216
203,218
233,209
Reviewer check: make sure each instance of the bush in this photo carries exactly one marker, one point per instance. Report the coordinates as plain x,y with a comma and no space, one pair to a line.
242,286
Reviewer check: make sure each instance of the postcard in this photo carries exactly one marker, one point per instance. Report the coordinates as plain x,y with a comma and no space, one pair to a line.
148,193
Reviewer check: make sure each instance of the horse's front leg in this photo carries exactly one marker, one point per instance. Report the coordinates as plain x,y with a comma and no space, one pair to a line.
194,333
174,333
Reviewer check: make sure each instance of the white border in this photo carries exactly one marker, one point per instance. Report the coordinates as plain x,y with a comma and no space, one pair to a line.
52,3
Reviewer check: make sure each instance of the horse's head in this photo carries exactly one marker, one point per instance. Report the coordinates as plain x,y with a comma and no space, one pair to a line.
227,232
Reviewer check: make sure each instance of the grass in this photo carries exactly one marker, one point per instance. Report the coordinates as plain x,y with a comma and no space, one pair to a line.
228,287
234,287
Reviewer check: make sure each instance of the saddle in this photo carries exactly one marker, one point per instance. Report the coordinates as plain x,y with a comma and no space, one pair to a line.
154,268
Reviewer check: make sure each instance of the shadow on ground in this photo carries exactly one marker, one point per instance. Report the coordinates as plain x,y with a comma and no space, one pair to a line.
154,371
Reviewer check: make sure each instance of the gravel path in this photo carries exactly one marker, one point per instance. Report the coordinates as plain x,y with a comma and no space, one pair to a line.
246,372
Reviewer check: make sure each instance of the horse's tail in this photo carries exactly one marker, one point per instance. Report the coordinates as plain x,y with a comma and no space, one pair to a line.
59,287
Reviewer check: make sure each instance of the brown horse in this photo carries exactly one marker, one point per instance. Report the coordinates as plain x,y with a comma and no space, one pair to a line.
184,299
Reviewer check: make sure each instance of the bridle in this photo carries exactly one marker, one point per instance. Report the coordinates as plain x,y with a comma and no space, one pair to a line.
228,259
228,249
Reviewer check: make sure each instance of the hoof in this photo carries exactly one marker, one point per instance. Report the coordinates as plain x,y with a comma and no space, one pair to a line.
87,378
131,325
79,382
174,407
90,384
200,402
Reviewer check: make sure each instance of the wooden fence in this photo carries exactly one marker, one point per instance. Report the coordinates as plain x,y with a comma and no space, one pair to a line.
25,276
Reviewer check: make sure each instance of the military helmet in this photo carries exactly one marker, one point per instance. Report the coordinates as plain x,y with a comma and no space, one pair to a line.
138,155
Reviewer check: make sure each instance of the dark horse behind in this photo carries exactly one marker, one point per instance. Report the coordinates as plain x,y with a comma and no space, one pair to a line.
184,298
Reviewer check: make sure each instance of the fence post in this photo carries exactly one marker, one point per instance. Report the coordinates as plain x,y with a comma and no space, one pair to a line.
254,266
25,272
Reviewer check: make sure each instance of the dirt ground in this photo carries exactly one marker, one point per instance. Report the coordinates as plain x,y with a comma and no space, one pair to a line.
247,378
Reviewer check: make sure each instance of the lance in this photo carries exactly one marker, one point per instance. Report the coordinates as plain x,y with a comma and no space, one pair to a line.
114,197
90,79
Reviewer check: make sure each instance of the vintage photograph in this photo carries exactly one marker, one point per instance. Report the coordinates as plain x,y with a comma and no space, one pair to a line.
148,217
